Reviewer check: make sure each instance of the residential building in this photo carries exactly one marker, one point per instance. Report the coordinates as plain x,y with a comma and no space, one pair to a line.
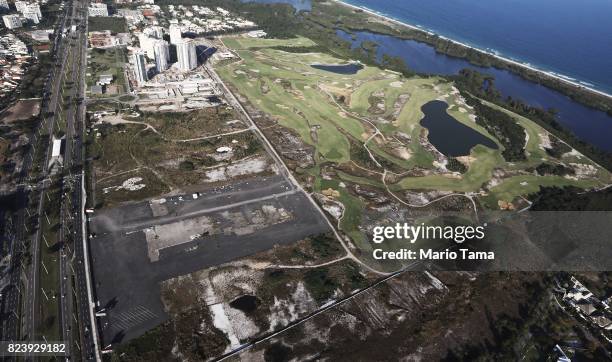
175,33
20,6
156,32
33,8
146,44
11,21
41,35
186,54
162,55
97,9
140,68
4,5
31,15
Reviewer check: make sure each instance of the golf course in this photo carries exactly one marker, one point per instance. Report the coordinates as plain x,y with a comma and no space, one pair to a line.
364,125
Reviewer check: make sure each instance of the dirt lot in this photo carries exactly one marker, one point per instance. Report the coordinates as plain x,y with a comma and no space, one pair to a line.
137,246
22,110
149,150
239,301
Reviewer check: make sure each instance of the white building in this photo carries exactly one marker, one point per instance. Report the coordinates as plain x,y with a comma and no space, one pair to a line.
20,6
156,32
12,21
56,159
146,44
33,8
4,5
31,15
140,67
175,33
162,55
186,54
97,9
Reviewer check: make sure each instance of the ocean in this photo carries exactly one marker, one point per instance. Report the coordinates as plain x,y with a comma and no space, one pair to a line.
569,37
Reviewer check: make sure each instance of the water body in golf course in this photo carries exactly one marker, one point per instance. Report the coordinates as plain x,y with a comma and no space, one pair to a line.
350,68
448,135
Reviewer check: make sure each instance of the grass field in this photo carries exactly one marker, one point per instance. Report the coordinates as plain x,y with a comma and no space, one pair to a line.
107,61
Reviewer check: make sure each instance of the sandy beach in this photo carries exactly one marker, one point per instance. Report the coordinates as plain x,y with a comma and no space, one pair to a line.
510,61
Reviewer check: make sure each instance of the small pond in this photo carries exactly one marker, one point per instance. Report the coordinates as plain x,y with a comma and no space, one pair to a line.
448,135
350,68
245,303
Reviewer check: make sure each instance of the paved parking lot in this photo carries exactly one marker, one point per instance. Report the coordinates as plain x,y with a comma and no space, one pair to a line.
127,280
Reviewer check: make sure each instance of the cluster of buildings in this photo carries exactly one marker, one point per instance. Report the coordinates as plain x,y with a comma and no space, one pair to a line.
97,9
203,20
589,307
27,12
135,1
14,57
105,39
155,48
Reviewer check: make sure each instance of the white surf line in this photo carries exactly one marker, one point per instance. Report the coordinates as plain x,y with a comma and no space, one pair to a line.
508,60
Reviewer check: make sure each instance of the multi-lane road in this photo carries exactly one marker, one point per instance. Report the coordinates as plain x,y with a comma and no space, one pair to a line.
15,323
63,100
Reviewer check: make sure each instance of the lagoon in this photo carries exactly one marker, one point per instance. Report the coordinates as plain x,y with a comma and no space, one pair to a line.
587,124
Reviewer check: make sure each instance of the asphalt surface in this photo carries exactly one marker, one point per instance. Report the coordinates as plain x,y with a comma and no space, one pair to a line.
70,50
14,327
127,282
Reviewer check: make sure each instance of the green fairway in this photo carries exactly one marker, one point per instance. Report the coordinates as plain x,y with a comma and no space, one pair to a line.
516,186
478,173
367,124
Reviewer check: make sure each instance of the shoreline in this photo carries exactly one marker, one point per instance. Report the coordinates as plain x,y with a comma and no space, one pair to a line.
547,73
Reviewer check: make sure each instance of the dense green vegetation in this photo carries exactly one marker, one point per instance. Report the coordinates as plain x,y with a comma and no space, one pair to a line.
571,199
483,86
500,124
320,284
455,165
557,148
550,169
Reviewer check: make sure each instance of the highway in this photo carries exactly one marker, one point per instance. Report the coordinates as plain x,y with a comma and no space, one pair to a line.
70,49
74,256
72,157
16,328
87,327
